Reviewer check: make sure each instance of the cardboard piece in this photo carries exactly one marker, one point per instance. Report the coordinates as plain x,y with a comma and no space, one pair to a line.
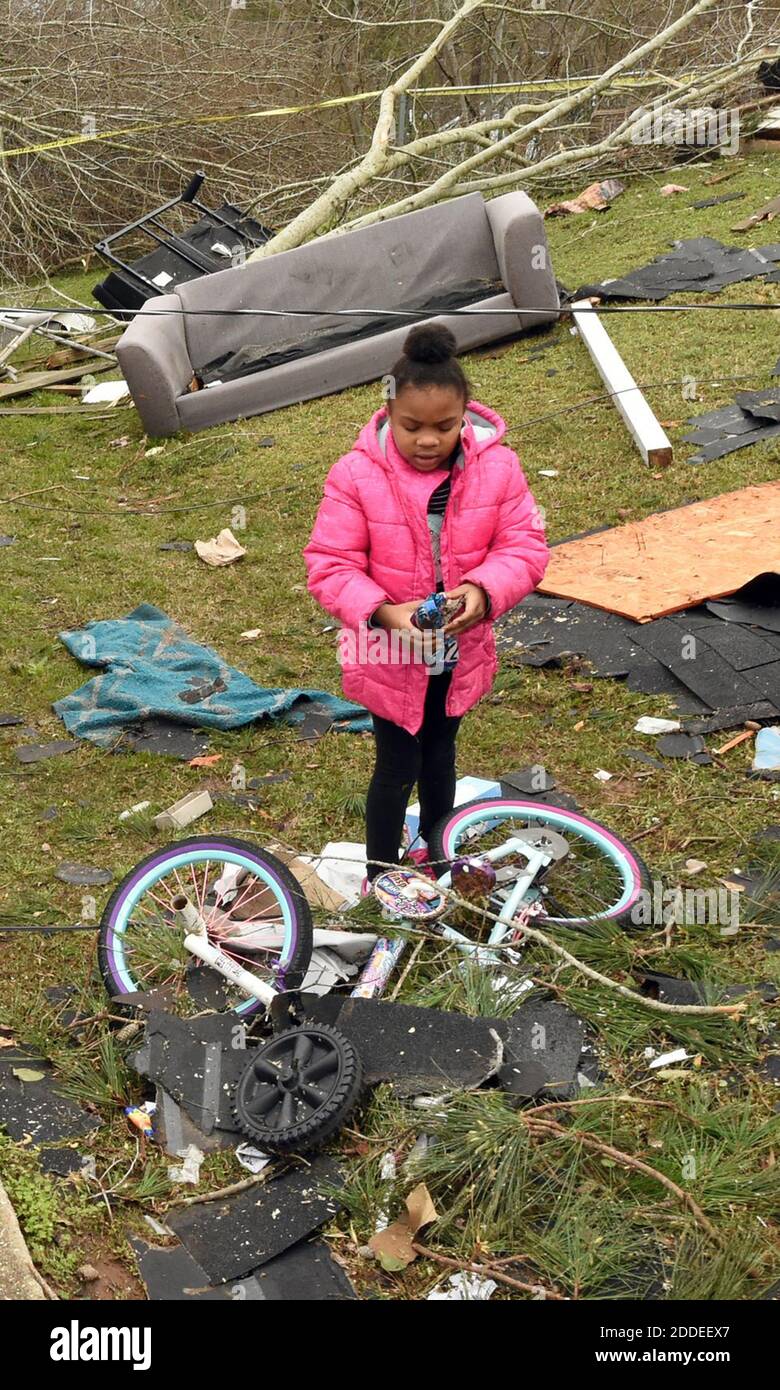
672,559
317,893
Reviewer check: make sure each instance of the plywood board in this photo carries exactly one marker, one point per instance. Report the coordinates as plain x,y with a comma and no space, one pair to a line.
674,559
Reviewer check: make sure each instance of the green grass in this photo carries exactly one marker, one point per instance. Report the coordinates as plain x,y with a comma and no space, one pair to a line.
577,1222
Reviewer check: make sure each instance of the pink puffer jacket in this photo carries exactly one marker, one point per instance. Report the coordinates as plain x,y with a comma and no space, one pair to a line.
371,545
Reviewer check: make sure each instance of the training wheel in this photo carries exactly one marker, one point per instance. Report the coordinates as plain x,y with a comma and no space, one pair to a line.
298,1089
409,895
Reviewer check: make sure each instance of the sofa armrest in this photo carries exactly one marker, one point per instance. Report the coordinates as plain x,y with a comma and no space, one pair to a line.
152,353
523,255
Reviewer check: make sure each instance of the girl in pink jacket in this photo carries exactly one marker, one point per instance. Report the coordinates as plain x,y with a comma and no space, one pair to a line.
428,499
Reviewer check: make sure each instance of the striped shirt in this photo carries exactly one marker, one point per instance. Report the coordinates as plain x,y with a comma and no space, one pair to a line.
445,652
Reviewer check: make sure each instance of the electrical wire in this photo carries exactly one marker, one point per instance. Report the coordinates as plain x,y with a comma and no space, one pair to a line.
563,312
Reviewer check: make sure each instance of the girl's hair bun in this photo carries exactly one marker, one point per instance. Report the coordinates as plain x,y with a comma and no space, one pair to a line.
430,343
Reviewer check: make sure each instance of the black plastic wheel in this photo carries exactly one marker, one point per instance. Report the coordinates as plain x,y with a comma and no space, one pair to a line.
298,1089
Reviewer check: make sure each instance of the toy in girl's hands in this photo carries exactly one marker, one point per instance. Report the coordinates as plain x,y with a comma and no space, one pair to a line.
436,611
473,877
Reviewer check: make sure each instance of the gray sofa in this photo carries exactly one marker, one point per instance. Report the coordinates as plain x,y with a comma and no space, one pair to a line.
403,262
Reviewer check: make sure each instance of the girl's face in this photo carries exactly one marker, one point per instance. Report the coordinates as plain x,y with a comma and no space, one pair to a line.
426,423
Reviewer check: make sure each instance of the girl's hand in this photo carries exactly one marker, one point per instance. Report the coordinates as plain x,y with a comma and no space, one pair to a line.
474,609
398,615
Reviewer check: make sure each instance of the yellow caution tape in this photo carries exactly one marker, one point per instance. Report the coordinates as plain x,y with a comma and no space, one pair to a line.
544,84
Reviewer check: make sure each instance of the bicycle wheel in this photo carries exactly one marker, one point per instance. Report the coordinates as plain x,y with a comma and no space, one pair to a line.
253,907
594,876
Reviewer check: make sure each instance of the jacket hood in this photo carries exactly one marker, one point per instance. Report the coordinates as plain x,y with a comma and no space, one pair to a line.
481,428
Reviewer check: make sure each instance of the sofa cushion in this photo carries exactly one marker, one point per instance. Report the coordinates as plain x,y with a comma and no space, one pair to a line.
387,265
312,377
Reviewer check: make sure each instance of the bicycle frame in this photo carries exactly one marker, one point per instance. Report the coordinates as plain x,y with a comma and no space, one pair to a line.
537,860
197,943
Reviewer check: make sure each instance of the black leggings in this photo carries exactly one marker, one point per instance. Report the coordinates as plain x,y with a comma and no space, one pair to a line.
402,759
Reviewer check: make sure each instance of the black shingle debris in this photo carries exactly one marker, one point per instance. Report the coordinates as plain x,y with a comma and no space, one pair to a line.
753,418
543,1045
304,1274
419,1051
236,1235
36,1109
671,989
197,1061
699,265
757,603
735,667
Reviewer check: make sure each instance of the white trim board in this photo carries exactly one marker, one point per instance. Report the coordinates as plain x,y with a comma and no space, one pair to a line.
651,440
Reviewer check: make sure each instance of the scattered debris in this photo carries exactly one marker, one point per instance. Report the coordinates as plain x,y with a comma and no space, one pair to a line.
639,756
307,1272
670,989
36,752
107,393
529,780
671,559
252,1159
231,1237
418,1051
137,810
38,1111
689,746
543,1042
700,265
720,198
647,724
149,664
183,546
767,752
602,775
216,238
67,1162
83,874
464,1288
670,188
184,811
756,603
189,1170
196,1062
594,198
220,550
648,435
753,418
165,737
669,1058
767,213
314,724
654,657
174,1130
